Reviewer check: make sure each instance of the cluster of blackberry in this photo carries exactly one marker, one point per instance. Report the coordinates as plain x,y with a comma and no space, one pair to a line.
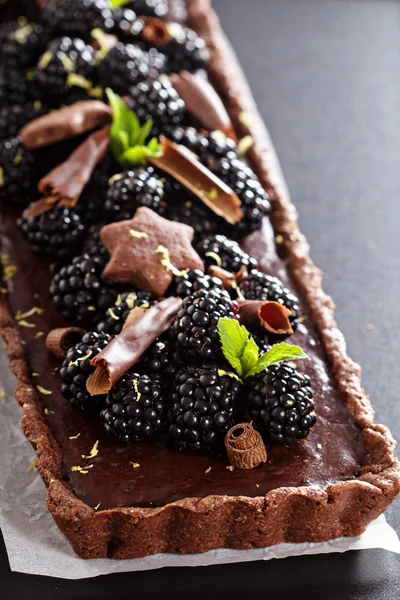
219,153
183,387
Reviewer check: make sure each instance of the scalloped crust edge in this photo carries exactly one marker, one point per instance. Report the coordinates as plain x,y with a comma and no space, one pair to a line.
192,525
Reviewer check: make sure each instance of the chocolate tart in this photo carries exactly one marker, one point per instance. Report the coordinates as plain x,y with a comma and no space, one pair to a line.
334,484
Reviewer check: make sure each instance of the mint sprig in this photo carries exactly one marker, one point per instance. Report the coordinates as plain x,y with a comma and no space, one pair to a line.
242,352
128,138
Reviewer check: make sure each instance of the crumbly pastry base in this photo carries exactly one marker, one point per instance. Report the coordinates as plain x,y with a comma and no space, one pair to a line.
302,514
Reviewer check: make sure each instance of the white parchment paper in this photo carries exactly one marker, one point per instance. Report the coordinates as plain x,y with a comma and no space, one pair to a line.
36,546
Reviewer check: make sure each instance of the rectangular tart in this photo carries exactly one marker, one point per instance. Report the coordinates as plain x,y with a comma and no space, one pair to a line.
334,485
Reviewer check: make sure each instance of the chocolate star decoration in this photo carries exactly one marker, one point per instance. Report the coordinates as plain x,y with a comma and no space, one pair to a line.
148,251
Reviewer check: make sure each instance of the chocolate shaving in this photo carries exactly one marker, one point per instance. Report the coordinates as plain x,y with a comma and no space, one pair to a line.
272,316
65,123
66,182
126,349
245,447
154,32
182,165
134,316
39,207
59,341
203,103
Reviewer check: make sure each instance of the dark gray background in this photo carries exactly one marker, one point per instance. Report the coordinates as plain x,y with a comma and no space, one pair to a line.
326,76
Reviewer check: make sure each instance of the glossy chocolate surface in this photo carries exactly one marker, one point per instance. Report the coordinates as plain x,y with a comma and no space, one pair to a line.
334,450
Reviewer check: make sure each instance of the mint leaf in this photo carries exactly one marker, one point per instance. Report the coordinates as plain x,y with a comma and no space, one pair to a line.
144,133
128,137
242,352
250,356
234,338
278,353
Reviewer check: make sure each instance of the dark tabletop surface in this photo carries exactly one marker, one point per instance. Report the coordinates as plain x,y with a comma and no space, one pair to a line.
326,76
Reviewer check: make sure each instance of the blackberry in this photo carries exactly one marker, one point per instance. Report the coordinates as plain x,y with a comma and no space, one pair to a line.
157,99
208,146
64,56
258,286
185,208
203,406
17,173
91,205
14,117
186,50
75,94
114,317
280,402
57,233
241,179
124,23
77,17
22,47
134,408
142,187
93,244
149,8
157,361
7,27
80,292
15,88
220,251
76,369
125,65
192,281
194,330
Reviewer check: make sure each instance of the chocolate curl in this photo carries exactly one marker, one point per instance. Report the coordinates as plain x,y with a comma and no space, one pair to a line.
203,103
65,123
245,447
126,349
59,341
155,31
134,316
182,165
66,182
272,316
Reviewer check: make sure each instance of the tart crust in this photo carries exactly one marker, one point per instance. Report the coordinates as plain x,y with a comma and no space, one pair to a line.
287,514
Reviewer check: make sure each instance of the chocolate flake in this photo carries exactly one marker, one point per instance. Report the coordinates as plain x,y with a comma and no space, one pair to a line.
245,447
272,316
183,165
67,122
126,349
202,102
66,182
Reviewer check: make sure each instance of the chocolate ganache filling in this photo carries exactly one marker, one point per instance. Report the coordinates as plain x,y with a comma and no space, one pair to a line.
334,451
